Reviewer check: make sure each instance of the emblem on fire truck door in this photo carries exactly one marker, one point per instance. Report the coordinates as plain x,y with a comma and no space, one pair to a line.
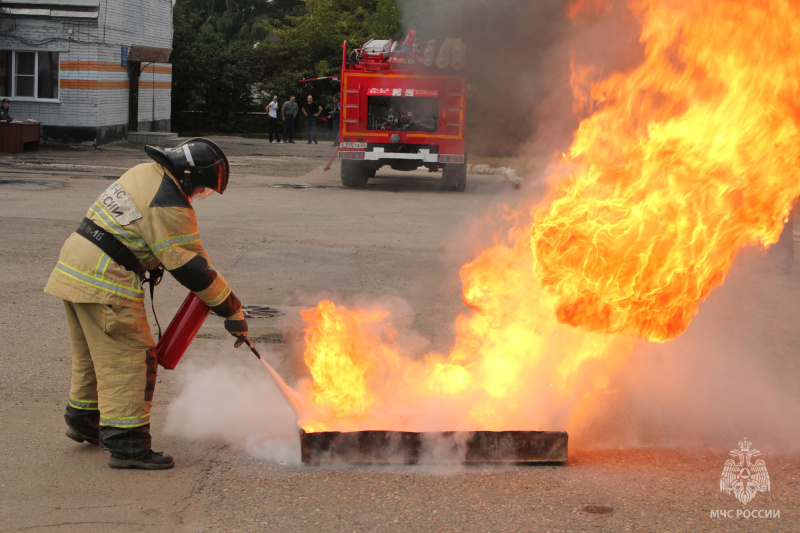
743,476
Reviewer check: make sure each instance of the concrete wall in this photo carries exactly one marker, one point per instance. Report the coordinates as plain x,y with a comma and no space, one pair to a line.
93,97
143,24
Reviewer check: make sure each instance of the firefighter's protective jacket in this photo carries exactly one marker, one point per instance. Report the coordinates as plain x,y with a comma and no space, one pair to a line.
146,210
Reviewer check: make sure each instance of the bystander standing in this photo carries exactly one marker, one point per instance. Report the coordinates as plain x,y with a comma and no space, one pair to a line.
272,118
334,118
311,110
289,112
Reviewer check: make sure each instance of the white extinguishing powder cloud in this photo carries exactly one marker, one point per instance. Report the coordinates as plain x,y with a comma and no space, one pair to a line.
733,374
234,401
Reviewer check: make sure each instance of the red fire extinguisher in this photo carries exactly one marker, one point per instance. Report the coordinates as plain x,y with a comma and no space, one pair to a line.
181,331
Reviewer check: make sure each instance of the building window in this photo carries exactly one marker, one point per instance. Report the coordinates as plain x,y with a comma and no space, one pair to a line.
29,74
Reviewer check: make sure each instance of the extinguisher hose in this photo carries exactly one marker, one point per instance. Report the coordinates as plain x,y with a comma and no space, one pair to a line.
154,279
242,339
291,396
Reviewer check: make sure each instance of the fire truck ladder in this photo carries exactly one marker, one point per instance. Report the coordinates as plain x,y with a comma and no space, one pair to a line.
346,107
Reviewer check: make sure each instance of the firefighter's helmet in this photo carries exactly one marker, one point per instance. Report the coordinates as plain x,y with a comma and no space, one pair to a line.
196,163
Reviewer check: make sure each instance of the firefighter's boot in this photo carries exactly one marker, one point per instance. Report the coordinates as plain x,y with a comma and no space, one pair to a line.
149,461
83,425
130,448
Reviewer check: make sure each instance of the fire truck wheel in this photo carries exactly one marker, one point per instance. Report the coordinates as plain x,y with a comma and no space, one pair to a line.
354,173
454,177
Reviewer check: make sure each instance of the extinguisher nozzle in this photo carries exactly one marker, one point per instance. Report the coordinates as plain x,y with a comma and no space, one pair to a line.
242,339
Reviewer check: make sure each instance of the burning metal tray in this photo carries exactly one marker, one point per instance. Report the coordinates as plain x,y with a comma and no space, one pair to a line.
409,447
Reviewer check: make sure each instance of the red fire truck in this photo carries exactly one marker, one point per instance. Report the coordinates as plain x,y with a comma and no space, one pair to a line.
403,104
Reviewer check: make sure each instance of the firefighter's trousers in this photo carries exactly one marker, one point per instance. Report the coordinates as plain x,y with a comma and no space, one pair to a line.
114,369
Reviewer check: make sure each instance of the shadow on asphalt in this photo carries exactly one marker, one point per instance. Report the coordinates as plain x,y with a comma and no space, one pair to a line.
379,183
433,183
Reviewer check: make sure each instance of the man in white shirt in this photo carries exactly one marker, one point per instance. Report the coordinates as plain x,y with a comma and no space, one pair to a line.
272,116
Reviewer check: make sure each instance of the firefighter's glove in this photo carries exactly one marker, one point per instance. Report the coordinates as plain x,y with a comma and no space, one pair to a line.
237,326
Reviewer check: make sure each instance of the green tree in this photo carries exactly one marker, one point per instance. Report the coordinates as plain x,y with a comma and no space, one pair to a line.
309,43
317,34
213,67
223,49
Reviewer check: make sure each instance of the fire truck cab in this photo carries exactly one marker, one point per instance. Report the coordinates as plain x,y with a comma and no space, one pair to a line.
403,104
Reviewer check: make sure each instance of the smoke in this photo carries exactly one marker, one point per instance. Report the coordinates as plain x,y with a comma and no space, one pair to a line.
518,66
733,374
231,399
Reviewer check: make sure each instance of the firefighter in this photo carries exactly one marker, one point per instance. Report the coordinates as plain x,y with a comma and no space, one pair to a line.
142,223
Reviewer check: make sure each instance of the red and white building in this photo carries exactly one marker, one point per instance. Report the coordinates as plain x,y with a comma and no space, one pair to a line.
89,71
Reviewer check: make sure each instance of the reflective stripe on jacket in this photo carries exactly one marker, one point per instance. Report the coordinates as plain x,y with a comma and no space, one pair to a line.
148,212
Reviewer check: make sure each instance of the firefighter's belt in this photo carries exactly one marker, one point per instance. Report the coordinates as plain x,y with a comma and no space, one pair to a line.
121,255
117,251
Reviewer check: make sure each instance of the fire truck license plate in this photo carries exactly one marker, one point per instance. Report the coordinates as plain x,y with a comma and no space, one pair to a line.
354,145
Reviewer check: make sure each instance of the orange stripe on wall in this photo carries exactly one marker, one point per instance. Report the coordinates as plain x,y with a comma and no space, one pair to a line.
158,69
112,67
98,84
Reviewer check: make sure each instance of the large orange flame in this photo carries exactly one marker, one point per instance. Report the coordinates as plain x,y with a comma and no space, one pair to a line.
691,157
686,160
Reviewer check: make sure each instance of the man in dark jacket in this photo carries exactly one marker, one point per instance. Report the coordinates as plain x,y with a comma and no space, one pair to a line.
311,110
